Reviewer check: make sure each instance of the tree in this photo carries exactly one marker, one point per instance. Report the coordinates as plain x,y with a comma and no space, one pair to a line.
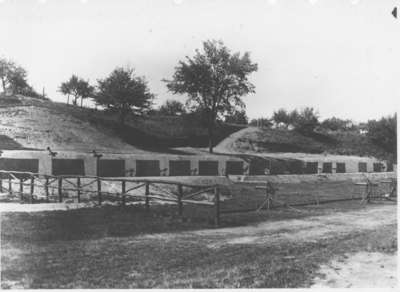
172,108
85,90
65,89
306,121
214,80
383,133
78,88
281,117
6,67
238,117
125,93
14,78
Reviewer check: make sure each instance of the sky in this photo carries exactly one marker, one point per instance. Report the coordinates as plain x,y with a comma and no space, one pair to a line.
340,57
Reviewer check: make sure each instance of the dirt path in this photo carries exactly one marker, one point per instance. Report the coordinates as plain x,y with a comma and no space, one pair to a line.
309,229
227,145
360,270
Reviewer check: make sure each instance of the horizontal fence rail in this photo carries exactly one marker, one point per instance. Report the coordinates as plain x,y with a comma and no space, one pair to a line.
124,190
243,196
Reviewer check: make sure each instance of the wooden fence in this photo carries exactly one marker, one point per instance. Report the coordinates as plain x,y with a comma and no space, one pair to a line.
141,190
267,195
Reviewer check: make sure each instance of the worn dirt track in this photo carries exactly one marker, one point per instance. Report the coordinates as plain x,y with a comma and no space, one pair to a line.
309,229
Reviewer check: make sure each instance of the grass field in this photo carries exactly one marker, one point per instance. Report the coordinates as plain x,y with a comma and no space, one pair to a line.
110,247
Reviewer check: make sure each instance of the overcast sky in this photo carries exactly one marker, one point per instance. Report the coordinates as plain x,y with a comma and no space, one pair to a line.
341,57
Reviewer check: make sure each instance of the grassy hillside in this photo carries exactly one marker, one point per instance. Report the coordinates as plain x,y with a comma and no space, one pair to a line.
35,124
282,140
28,123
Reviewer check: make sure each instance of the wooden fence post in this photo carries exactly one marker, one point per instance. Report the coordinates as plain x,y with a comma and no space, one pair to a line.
32,188
1,183
267,195
123,190
60,189
78,185
21,189
180,205
216,205
46,188
147,193
99,189
10,186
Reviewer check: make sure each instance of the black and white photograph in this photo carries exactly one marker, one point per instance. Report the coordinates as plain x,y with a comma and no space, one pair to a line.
199,144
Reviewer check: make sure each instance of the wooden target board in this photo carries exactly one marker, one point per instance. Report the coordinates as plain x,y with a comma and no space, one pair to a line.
111,167
61,166
19,164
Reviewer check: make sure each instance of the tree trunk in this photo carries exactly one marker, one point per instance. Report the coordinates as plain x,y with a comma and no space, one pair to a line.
68,99
210,141
210,138
81,101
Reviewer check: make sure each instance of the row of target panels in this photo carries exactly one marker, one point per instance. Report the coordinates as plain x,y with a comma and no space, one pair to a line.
117,167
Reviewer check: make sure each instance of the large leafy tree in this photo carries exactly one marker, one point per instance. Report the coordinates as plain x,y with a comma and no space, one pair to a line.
78,88
214,80
124,92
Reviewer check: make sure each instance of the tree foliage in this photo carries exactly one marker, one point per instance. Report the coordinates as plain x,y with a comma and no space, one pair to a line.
172,108
214,80
124,93
335,124
78,88
383,133
281,117
262,122
306,121
237,117
14,79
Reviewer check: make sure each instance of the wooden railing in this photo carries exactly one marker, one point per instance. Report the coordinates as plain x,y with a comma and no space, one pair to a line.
101,186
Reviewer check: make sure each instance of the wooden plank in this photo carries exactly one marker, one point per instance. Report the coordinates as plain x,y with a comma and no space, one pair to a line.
147,193
21,189
217,207
194,202
99,191
198,193
9,186
32,188
60,189
78,184
180,205
135,187
46,189
123,192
